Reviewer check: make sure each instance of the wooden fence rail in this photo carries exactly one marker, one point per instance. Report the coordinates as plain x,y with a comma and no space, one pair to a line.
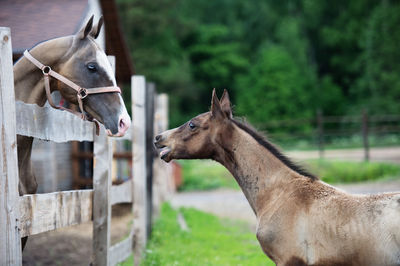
32,214
322,129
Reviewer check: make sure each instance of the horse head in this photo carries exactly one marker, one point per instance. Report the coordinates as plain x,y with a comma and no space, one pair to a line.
202,136
86,64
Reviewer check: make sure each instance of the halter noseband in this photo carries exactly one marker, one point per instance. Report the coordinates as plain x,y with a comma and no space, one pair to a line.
81,92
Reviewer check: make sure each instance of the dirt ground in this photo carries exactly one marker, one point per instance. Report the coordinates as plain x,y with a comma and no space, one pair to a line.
73,245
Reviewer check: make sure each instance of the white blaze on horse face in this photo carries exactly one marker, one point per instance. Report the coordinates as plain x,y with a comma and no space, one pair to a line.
124,120
103,62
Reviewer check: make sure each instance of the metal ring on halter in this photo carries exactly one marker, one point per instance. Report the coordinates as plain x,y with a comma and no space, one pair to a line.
46,70
82,93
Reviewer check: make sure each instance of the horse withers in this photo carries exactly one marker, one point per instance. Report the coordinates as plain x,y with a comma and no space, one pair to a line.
300,219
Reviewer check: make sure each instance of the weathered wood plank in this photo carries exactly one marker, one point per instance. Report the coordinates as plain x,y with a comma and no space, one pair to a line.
10,241
50,211
102,161
48,123
121,193
139,165
101,199
163,183
121,251
150,150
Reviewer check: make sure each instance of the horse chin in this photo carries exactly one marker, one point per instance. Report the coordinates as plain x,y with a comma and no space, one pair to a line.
118,134
165,154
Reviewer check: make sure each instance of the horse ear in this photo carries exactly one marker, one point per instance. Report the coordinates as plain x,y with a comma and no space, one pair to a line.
96,28
86,30
226,104
216,109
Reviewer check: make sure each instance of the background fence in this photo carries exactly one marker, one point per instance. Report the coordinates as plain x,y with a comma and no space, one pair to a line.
32,214
322,132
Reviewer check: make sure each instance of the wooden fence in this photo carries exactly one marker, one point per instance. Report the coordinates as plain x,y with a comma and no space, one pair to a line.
32,214
322,129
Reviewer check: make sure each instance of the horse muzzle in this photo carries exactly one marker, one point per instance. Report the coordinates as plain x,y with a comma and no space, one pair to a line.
164,149
124,122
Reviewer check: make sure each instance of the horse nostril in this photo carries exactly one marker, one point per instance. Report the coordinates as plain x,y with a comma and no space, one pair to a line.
124,123
158,137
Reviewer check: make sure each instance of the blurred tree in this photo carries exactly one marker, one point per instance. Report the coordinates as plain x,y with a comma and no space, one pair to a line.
279,59
274,89
379,83
215,58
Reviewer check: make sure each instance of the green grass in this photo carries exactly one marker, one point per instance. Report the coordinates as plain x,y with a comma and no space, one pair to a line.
205,175
210,241
349,172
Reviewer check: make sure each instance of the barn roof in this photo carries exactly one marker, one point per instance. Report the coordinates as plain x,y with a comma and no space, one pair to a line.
34,21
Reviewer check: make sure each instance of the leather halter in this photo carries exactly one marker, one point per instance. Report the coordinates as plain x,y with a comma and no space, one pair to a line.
82,93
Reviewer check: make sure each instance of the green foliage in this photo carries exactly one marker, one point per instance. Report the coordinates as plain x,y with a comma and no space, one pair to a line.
379,83
210,241
347,172
273,88
278,59
205,175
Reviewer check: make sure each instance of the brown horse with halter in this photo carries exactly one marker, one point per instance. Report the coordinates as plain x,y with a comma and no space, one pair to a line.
301,220
78,68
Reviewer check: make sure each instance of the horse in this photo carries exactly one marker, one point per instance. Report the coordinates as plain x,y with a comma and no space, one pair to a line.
68,64
300,219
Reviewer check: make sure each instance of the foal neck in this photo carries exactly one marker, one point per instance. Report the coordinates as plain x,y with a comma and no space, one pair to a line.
28,79
257,169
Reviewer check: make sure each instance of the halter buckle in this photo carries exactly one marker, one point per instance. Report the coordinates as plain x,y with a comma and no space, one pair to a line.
82,93
46,70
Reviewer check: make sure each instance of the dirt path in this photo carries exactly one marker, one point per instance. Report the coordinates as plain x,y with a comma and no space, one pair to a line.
233,204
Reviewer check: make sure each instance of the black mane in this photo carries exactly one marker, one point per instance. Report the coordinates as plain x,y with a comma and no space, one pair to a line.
270,147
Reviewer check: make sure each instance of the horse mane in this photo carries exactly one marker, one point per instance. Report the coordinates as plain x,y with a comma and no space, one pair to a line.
273,149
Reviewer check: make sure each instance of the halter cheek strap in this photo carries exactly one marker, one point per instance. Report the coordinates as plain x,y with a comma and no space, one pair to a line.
82,93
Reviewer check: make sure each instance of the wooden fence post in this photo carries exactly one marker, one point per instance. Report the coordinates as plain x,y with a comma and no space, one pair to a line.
102,165
102,160
320,124
168,180
139,166
10,241
365,134
150,151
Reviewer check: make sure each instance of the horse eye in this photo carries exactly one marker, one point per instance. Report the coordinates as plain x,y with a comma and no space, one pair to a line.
191,125
92,67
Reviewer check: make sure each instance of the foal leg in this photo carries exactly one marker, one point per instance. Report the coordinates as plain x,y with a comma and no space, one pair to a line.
27,181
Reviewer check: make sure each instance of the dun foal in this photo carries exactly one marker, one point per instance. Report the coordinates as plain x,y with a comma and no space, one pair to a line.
301,220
